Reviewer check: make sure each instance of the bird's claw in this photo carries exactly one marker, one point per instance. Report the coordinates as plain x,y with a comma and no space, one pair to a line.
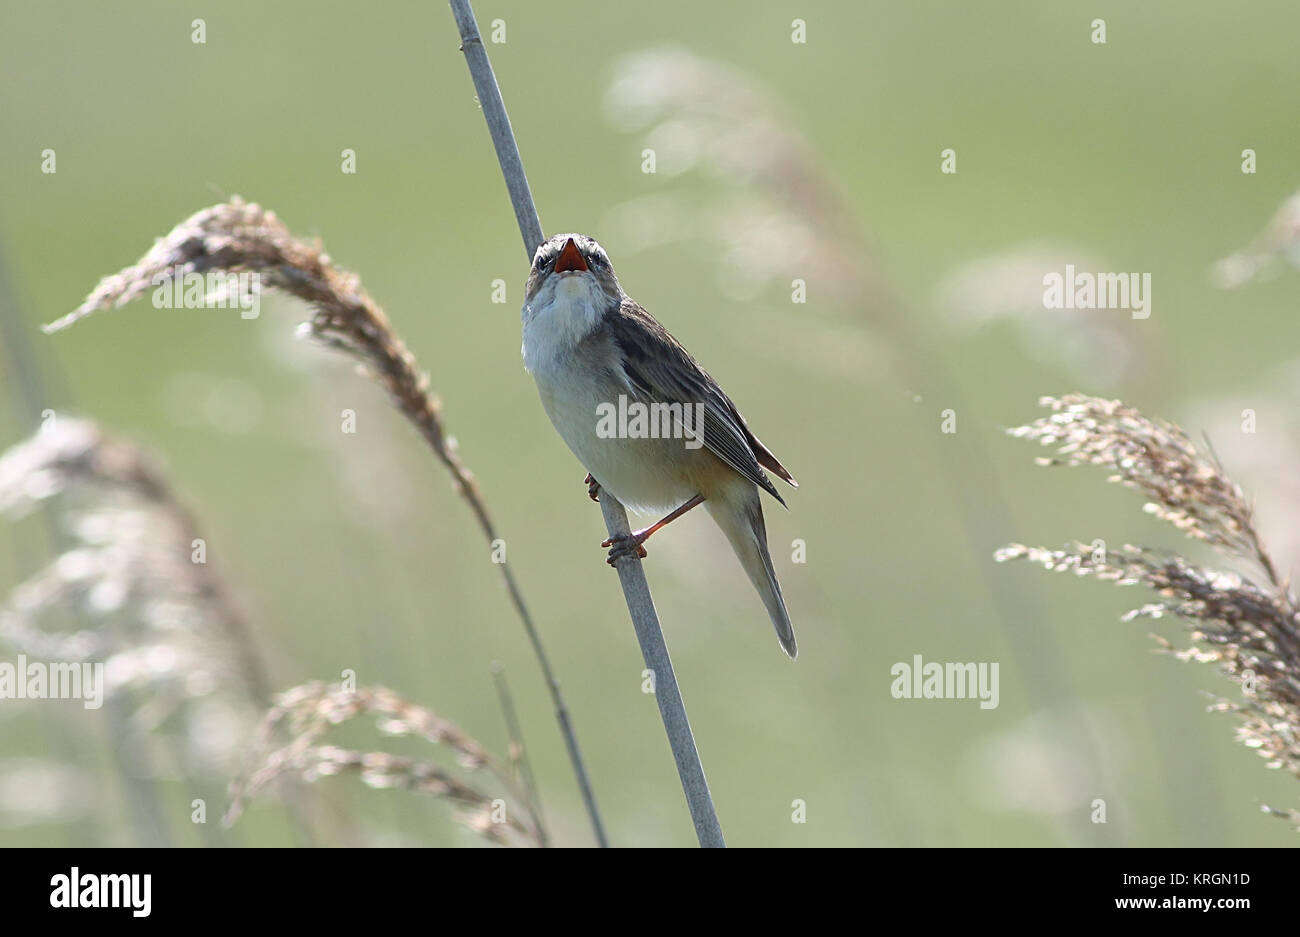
624,545
593,487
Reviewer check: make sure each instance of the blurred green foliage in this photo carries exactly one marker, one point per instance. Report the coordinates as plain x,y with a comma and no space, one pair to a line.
352,552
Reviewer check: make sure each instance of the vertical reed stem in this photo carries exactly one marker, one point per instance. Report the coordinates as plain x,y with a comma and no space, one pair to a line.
631,576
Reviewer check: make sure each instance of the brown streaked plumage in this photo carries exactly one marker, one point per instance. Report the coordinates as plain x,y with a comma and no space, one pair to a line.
588,344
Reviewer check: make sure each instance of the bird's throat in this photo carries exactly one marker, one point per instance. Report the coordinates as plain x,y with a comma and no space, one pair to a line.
558,319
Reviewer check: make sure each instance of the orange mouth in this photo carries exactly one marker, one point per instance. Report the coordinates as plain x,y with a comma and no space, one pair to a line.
570,259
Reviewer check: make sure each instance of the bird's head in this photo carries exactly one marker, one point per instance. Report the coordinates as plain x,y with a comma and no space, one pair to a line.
575,267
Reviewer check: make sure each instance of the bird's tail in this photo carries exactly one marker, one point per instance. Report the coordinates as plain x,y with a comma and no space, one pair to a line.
742,521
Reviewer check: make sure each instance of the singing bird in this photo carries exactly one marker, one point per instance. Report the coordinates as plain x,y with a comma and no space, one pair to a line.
586,344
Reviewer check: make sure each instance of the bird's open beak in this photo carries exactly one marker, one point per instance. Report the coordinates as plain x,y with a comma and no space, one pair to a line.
570,259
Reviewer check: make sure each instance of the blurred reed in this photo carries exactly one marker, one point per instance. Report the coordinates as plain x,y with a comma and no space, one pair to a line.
1276,246
309,711
180,663
133,552
770,214
239,237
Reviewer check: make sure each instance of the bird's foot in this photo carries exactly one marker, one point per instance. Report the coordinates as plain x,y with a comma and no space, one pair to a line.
625,545
593,487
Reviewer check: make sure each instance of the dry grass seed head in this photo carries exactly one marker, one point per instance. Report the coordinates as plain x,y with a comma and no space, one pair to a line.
1249,629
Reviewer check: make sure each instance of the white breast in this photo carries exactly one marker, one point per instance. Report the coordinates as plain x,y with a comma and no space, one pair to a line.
564,312
574,378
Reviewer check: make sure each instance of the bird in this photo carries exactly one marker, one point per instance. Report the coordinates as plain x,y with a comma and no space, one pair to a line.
593,351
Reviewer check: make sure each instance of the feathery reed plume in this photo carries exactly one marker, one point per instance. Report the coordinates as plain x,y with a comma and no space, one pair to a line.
179,662
240,236
309,711
1247,626
164,622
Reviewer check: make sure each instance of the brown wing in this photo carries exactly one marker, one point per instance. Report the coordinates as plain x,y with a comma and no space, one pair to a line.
660,370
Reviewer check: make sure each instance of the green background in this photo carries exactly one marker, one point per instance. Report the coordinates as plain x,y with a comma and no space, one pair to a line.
351,551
